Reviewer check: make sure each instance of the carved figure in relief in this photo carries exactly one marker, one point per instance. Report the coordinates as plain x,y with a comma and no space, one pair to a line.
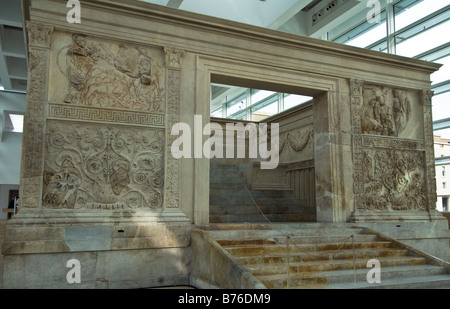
62,185
99,75
371,122
385,111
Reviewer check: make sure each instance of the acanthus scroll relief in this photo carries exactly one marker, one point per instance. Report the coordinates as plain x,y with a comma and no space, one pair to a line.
109,75
394,180
103,167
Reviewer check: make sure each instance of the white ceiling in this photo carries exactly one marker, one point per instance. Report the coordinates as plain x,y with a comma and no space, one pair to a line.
13,63
287,15
262,13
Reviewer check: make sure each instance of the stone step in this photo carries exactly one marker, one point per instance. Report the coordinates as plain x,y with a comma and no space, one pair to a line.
260,270
260,218
300,239
225,166
216,181
240,231
347,278
268,209
226,173
248,250
423,282
239,199
281,258
324,256
386,273
223,192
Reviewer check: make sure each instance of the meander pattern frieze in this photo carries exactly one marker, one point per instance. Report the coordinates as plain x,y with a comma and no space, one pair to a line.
103,167
80,113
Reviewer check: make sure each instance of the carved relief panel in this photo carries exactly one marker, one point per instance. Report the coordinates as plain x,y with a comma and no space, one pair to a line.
389,111
97,73
297,144
389,151
103,167
394,178
105,137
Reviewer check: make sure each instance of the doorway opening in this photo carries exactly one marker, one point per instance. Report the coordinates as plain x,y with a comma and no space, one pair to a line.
240,189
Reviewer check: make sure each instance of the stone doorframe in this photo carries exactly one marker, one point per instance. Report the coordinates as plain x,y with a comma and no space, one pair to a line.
332,134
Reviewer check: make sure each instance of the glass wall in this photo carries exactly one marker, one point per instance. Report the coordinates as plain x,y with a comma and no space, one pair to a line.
252,104
418,29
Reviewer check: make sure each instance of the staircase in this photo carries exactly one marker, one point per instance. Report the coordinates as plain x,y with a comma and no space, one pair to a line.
325,256
230,202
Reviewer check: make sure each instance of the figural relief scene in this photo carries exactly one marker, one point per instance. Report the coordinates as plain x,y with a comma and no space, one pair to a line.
388,112
393,164
105,135
99,73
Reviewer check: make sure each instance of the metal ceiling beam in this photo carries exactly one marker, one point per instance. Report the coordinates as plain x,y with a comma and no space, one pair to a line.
441,124
291,12
174,3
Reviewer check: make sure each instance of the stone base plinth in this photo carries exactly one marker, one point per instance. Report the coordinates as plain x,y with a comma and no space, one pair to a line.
137,251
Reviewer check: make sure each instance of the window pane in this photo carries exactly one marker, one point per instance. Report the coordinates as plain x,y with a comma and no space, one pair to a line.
217,113
409,11
258,95
236,105
421,39
377,32
444,72
441,106
266,111
292,100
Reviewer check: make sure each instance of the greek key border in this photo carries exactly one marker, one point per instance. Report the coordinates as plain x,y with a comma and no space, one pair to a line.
59,111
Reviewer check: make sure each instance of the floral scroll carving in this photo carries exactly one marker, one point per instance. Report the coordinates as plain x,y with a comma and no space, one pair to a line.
103,167
394,180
